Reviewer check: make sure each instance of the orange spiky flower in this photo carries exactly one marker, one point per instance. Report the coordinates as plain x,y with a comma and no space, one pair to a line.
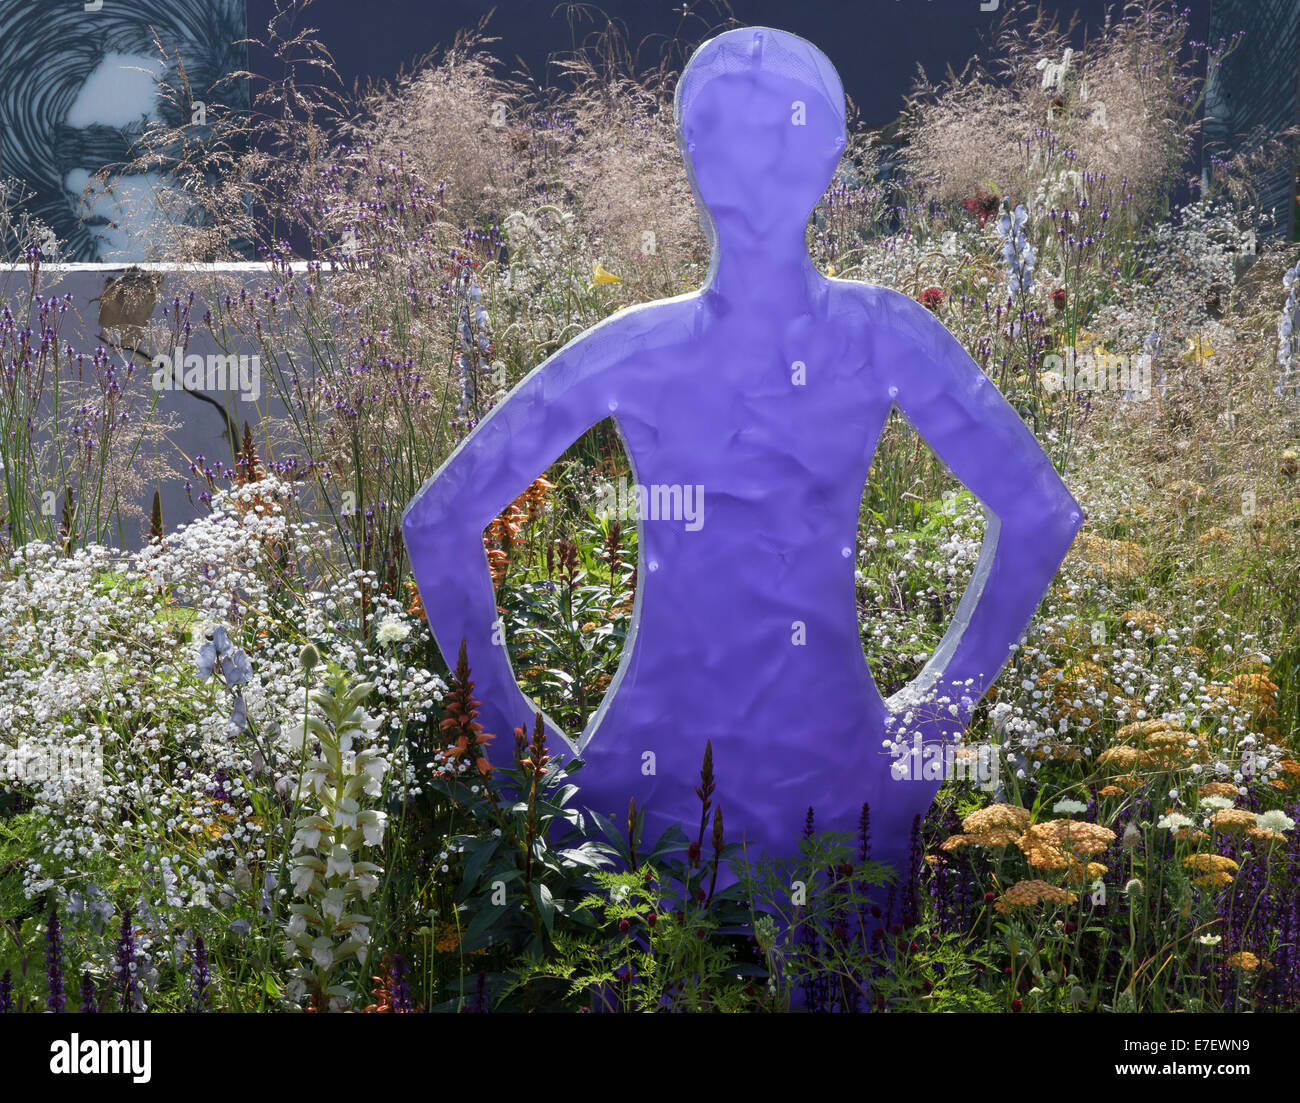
461,730
416,607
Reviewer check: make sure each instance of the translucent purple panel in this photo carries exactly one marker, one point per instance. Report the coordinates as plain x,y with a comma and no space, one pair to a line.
751,411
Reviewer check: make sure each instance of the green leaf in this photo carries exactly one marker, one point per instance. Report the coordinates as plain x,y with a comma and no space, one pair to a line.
475,864
545,905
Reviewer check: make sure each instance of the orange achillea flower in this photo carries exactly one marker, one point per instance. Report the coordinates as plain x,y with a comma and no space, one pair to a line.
1246,961
1211,870
1024,894
1233,819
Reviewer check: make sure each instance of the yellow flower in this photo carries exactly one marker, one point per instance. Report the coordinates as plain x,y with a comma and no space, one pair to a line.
1024,894
600,275
1233,819
1212,870
1198,348
1247,962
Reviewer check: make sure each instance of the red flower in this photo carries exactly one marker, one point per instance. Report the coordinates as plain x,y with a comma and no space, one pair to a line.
931,298
984,206
1058,298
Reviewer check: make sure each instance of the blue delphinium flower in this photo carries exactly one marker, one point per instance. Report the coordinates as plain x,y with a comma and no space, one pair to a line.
219,656
219,653
238,721
1017,253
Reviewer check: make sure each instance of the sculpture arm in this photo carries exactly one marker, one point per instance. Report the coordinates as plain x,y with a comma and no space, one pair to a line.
443,526
1031,516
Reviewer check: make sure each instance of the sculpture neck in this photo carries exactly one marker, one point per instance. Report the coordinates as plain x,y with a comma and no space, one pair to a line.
760,267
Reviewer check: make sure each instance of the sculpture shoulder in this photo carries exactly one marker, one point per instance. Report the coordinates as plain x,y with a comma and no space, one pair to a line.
853,300
662,319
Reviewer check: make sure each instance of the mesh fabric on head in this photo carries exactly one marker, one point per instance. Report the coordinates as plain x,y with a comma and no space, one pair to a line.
769,50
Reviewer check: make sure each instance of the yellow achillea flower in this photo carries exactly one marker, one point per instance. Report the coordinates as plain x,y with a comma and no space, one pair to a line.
1118,559
1246,961
996,815
599,274
1061,844
1215,535
1291,768
1233,819
1075,689
1112,791
1220,789
1164,745
1086,873
1252,693
1212,870
1025,894
994,825
1146,622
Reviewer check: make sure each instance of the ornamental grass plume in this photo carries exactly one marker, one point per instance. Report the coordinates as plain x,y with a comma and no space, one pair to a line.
327,927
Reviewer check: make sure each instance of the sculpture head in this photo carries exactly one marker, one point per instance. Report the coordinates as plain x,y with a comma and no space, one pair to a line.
760,119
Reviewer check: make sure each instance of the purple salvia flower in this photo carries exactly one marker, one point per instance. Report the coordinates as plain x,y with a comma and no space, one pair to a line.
126,965
400,991
6,993
200,975
56,1000
89,1002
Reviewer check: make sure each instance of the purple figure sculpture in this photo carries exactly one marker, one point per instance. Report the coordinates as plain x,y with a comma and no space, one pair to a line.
760,399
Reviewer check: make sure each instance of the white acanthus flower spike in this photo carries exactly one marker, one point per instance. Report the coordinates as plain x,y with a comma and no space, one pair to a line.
372,823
